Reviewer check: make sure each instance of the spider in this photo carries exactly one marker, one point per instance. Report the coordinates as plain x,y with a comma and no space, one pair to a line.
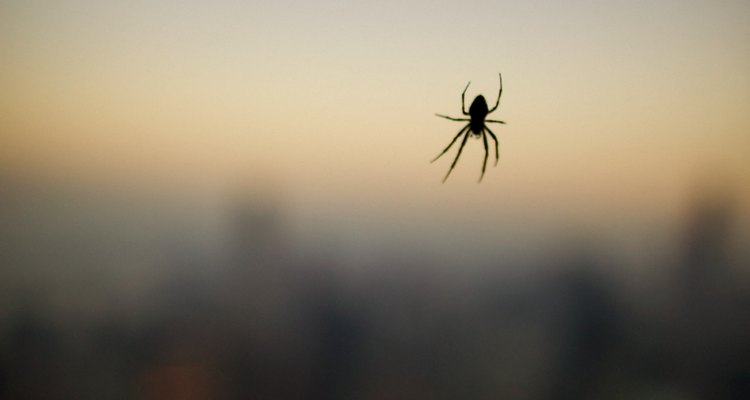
476,127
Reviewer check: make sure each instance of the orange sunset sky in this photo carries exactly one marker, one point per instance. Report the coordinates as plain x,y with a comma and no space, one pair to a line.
615,110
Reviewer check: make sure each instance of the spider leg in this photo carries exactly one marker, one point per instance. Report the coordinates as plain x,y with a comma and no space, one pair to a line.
463,108
497,151
494,120
453,119
452,141
486,153
460,149
497,103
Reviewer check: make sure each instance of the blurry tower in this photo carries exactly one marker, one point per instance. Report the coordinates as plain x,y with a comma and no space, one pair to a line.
259,275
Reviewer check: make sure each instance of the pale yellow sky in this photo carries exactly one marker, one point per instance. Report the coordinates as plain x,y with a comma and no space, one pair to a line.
612,109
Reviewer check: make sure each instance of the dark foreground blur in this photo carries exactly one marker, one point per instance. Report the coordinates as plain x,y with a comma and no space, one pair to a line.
142,311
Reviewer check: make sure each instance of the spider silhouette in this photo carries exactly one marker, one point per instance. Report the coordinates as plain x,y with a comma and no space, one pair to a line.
476,127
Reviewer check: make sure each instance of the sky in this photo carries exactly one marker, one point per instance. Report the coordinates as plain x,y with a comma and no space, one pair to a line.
615,111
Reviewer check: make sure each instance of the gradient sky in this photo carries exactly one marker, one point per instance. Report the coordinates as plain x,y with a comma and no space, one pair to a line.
614,109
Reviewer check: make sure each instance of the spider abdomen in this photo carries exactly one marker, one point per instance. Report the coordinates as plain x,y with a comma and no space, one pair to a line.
478,111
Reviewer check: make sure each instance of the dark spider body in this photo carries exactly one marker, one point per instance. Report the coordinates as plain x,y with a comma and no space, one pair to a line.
476,126
478,111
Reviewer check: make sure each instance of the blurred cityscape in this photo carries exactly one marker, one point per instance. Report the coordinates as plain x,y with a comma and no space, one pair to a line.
102,303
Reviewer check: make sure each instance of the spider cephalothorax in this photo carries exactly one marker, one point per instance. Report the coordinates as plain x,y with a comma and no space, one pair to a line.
476,127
